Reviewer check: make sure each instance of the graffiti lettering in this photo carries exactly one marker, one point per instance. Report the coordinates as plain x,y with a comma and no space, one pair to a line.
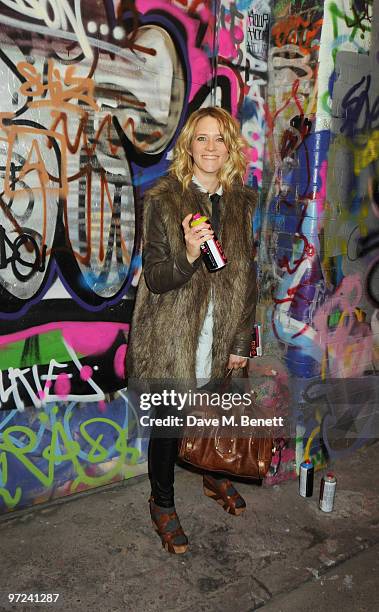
22,443
258,30
59,89
38,395
232,36
347,346
26,243
297,31
360,115
55,15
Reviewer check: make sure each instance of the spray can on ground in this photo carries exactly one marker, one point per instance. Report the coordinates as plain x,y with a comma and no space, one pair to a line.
327,492
306,478
211,250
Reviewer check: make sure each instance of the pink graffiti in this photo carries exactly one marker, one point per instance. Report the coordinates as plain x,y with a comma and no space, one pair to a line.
348,346
197,58
119,361
41,393
97,338
253,154
206,14
85,338
86,372
102,406
62,385
227,47
321,195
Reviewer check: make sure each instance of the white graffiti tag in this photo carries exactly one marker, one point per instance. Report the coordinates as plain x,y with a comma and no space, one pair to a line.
57,15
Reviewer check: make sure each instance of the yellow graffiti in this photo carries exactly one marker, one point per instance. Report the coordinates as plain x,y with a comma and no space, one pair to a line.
364,149
367,155
330,352
324,364
10,501
312,436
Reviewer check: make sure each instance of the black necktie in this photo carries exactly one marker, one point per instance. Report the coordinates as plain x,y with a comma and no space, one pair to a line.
215,218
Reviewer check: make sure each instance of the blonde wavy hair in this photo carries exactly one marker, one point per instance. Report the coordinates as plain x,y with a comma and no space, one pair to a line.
235,166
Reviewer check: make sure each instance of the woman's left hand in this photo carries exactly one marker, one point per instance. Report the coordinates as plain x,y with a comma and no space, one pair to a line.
236,362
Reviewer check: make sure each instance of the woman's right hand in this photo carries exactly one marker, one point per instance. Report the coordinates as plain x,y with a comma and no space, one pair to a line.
195,236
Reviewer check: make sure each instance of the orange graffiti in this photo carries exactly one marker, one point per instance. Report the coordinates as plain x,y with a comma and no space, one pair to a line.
106,125
58,90
63,92
297,31
105,197
34,164
34,161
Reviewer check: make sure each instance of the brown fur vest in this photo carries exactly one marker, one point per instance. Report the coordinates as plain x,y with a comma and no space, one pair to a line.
165,327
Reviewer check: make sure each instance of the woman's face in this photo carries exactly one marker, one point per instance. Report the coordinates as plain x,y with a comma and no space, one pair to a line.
208,149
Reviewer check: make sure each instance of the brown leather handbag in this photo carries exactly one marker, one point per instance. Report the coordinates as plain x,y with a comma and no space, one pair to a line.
249,456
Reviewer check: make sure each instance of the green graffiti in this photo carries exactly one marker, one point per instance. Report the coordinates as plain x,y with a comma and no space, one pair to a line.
10,501
37,350
358,24
61,449
334,318
281,7
354,22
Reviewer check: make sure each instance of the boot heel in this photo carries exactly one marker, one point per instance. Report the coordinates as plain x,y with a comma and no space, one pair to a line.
208,492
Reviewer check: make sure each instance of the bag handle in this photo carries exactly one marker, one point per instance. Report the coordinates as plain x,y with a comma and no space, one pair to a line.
230,370
228,377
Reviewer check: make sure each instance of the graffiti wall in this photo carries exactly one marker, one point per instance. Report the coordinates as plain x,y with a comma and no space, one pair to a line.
318,248
92,97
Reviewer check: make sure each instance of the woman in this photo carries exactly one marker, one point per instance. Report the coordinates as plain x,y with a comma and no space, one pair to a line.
189,323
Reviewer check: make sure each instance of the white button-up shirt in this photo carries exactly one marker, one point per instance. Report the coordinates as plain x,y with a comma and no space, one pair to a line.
204,345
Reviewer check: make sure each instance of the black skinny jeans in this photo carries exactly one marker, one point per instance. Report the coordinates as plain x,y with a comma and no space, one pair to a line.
161,461
162,455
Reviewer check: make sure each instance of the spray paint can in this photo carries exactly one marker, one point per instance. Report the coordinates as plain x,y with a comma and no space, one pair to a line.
211,250
256,341
306,478
327,492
